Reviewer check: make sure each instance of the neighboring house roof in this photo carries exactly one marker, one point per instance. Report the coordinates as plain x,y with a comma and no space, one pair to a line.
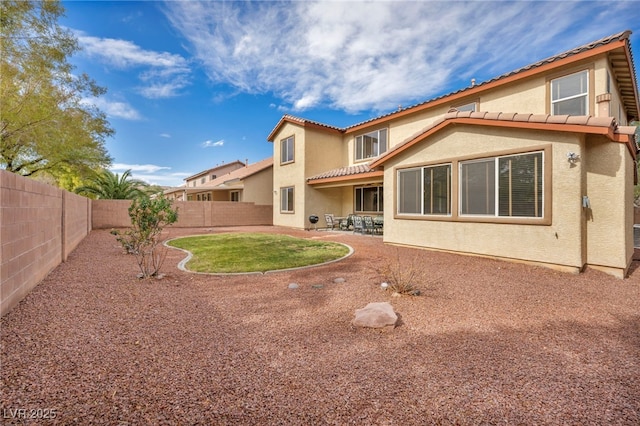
621,60
208,171
287,118
606,126
345,173
236,176
230,180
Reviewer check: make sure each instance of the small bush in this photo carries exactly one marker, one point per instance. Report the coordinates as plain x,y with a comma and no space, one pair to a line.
143,240
403,275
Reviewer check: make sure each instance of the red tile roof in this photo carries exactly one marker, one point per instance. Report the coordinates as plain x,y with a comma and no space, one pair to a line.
343,171
607,126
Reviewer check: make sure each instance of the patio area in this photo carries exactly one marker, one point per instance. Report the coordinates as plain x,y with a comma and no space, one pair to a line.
487,342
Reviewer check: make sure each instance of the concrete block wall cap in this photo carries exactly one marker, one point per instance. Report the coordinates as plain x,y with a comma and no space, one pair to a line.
506,116
522,117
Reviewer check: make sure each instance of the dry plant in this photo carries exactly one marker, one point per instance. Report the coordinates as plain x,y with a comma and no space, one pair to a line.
402,274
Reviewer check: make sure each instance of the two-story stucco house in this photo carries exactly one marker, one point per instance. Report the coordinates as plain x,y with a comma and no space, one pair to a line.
537,165
236,181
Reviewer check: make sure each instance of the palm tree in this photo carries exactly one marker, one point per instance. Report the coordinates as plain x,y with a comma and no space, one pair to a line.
108,185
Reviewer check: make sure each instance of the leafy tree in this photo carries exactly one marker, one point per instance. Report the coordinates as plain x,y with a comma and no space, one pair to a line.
45,127
144,239
112,186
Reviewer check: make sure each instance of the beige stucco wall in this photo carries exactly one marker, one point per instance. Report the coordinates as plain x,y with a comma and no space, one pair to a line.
258,188
609,177
558,243
314,152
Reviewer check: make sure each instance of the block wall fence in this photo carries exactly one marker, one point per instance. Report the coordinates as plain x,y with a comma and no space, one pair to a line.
40,225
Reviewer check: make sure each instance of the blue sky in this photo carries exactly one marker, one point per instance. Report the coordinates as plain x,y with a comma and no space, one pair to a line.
192,85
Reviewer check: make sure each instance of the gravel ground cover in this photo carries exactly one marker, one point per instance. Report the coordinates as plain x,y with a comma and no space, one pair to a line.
487,342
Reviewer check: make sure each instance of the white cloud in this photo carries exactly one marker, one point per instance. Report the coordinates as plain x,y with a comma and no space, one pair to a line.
209,144
162,74
114,108
145,168
152,174
165,135
375,55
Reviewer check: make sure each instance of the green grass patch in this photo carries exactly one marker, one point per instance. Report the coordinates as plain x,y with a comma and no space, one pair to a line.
253,252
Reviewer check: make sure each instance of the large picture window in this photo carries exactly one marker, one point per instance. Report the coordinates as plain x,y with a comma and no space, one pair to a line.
286,150
507,186
369,199
371,144
425,190
286,199
570,94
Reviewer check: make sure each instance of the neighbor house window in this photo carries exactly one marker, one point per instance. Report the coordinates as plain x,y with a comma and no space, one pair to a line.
203,179
507,186
286,199
425,190
212,177
570,94
286,150
371,144
368,199
235,196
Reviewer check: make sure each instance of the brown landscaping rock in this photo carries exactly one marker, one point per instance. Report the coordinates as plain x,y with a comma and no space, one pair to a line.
375,315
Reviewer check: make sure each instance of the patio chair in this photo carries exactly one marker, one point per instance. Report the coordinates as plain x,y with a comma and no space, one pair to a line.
347,224
358,224
328,217
368,226
378,224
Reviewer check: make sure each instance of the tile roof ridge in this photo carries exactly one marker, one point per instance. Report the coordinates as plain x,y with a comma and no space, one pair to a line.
586,120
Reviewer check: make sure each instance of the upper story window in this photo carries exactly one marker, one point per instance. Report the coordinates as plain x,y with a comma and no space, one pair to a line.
212,177
570,94
286,150
467,107
203,179
371,144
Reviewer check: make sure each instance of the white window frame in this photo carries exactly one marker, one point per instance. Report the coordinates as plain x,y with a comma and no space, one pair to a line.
287,150
583,94
234,196
380,145
287,196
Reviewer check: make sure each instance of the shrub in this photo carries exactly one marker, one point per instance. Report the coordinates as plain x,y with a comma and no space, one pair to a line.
402,275
143,240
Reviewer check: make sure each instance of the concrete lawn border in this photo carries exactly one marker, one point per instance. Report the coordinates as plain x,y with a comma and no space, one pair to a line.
182,264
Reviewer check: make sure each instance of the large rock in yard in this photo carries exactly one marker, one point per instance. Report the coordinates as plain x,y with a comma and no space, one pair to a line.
375,315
